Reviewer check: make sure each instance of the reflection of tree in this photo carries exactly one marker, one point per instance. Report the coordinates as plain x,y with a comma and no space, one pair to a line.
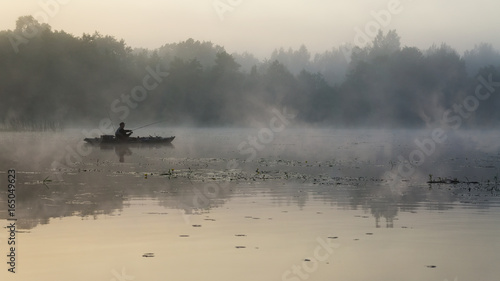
293,195
91,195
95,194
384,209
102,185
37,204
195,197
383,201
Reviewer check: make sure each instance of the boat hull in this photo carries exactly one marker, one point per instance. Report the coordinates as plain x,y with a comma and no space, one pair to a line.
111,140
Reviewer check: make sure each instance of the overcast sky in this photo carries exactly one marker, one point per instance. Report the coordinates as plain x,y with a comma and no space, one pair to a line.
260,26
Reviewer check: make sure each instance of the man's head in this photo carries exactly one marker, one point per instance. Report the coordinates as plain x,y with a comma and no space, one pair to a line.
122,125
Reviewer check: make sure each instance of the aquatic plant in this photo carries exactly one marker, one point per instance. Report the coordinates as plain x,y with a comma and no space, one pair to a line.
441,180
45,181
18,125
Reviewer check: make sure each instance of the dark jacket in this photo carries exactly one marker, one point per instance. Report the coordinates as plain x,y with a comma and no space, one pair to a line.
122,133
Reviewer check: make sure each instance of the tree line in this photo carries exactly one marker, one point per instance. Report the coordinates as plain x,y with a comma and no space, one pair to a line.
52,77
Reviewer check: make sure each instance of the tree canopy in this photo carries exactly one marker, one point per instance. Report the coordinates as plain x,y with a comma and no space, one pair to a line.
50,77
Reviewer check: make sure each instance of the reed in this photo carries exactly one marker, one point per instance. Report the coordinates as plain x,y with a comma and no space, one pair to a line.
18,125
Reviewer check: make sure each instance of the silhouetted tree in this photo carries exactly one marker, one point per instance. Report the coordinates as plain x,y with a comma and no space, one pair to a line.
49,76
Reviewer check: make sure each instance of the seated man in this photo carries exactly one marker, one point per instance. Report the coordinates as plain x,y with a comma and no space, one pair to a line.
121,133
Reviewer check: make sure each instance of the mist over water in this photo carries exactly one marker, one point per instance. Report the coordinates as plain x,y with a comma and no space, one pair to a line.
309,156
305,184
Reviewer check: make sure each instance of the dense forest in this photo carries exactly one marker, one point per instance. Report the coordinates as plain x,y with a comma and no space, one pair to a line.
51,78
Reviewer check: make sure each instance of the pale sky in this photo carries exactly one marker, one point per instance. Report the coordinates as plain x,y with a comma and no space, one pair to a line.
260,26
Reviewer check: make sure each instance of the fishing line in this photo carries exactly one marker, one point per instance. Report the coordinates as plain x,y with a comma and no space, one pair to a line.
149,124
109,115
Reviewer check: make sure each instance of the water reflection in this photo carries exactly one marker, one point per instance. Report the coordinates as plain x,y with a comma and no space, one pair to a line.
125,149
96,193
194,177
121,151
269,212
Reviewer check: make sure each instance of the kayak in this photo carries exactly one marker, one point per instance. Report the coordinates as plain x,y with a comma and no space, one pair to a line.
110,139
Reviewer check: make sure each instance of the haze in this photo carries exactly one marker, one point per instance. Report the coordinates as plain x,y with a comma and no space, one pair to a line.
260,26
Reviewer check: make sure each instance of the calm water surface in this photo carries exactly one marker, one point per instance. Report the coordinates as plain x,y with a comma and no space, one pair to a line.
236,204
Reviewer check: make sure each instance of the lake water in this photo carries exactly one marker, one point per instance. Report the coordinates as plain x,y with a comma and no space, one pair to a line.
254,204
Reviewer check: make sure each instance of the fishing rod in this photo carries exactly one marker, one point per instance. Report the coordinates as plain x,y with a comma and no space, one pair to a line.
149,124
109,115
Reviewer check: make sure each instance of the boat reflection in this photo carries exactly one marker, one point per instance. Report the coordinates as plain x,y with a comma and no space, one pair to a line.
121,151
125,149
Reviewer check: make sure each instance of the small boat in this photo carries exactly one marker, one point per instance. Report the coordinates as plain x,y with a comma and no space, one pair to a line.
111,140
